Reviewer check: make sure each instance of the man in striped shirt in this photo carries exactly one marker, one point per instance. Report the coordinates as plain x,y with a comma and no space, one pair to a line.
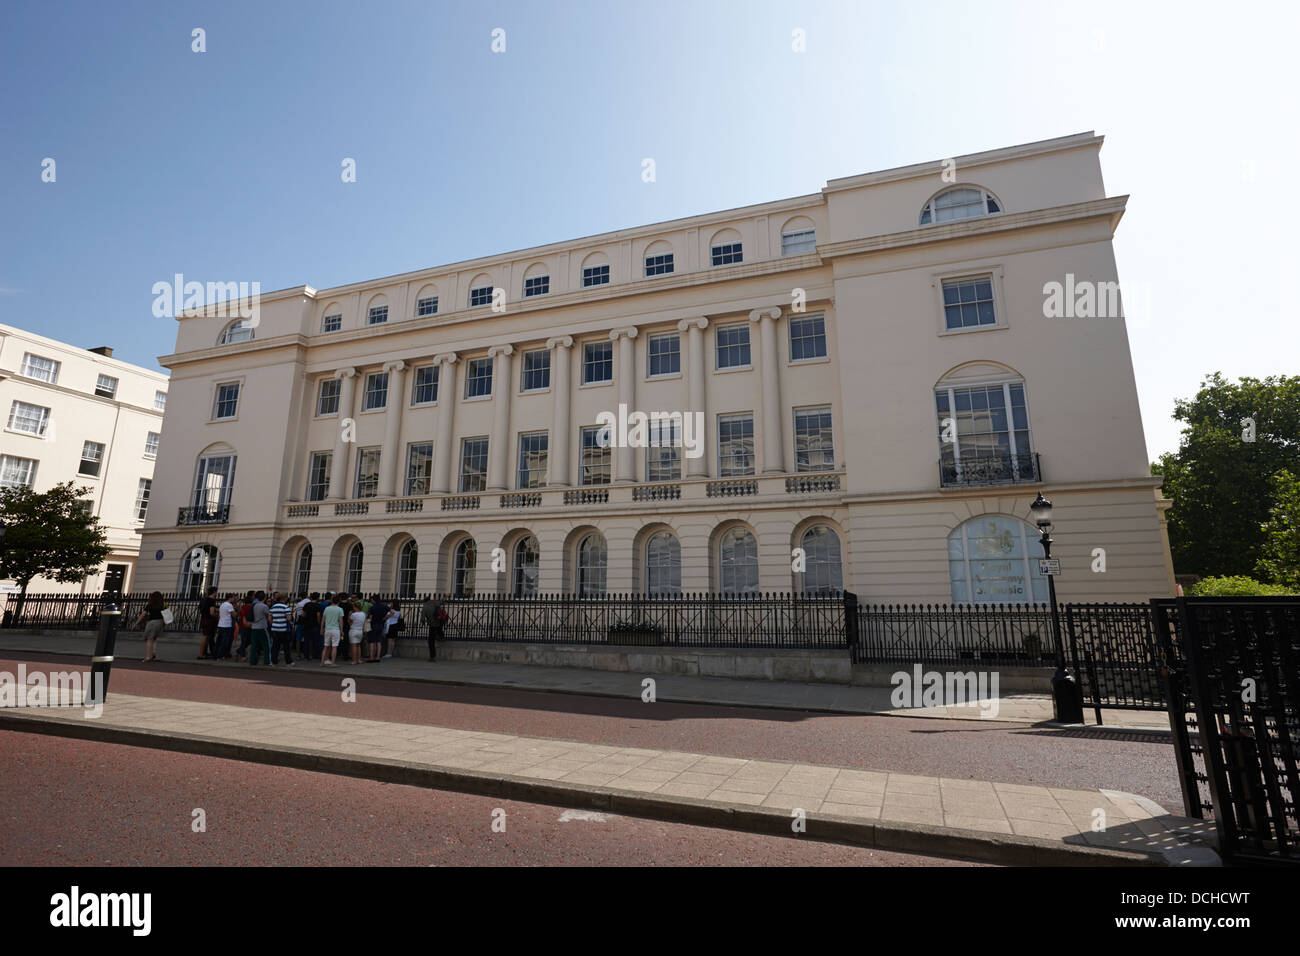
280,633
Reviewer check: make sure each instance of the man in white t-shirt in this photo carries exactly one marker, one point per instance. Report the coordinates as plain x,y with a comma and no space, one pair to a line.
225,628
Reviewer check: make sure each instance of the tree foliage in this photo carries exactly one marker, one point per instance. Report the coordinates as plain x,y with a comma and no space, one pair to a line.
1237,436
1280,556
48,534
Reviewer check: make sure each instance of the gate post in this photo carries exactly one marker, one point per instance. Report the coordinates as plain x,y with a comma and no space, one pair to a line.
851,622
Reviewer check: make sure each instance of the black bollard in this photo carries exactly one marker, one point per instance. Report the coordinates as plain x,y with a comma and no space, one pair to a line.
102,662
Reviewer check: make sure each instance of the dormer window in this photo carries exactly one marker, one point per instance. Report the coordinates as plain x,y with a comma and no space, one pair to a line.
960,202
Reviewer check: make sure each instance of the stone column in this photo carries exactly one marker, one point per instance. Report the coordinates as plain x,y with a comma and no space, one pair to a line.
346,436
557,464
624,340
770,385
701,467
443,454
390,456
499,446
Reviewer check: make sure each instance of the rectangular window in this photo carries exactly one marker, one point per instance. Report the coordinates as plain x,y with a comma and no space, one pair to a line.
665,354
473,464
160,401
480,296
597,362
40,368
968,303
424,391
814,445
28,419
16,472
537,370
479,380
537,285
807,337
376,391
663,456
227,403
595,275
106,386
332,323
727,253
427,306
85,507
142,498
735,445
733,345
151,445
419,468
659,265
318,475
533,449
92,457
595,464
327,399
214,484
797,243
377,315
367,473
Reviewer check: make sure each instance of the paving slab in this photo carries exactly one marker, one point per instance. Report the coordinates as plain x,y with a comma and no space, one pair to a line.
678,688
996,822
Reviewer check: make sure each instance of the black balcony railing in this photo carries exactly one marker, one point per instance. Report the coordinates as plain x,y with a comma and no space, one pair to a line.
990,470
202,514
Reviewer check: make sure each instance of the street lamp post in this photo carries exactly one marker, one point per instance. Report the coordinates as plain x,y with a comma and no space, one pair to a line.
1067,702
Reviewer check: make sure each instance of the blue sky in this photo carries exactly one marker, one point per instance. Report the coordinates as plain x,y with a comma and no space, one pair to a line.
224,165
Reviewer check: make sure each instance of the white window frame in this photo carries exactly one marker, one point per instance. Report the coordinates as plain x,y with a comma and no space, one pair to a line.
723,250
151,439
42,426
543,280
975,271
650,373
26,370
160,400
100,379
416,384
717,347
216,399
1006,382
470,377
326,323
142,492
17,461
367,392
377,315
786,244
987,198
420,303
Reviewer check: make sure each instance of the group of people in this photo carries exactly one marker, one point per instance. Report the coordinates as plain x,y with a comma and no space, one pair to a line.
270,626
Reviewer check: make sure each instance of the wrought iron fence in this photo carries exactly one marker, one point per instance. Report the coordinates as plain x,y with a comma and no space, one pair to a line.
1243,673
1117,660
80,612
1001,634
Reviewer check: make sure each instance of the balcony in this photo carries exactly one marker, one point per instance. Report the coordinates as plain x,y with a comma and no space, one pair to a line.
203,515
1004,469
628,498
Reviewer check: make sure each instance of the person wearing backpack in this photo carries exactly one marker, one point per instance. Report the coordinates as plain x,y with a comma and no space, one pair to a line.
435,616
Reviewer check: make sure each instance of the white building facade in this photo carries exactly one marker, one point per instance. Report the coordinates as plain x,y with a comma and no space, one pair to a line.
869,386
80,415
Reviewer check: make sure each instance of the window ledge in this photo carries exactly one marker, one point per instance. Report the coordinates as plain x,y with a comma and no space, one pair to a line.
974,328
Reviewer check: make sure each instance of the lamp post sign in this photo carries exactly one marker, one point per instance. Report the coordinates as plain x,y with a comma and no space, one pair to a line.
1050,566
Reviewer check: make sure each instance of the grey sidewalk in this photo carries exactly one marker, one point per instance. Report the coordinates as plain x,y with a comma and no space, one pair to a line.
678,688
986,820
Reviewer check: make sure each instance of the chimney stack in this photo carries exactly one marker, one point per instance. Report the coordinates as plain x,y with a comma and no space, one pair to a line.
103,350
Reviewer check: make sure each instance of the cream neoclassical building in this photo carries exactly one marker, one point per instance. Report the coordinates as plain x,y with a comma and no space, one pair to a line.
881,393
80,415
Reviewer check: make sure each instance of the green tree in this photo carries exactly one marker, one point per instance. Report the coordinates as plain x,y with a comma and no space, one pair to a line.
1221,482
1280,556
48,534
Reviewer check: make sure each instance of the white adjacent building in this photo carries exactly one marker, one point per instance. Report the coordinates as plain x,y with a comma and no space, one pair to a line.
80,415
880,373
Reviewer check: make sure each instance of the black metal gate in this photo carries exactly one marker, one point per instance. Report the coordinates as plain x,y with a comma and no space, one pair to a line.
1236,662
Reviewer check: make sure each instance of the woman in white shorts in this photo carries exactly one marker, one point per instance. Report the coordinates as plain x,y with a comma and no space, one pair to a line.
357,627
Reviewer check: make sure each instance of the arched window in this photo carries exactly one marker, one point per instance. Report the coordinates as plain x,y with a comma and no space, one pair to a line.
991,559
356,559
302,571
663,565
407,559
527,556
200,568
592,559
238,331
823,572
960,202
738,562
462,568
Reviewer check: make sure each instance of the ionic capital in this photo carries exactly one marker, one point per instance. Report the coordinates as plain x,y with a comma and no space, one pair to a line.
445,358
496,350
695,322
629,331
757,315
560,341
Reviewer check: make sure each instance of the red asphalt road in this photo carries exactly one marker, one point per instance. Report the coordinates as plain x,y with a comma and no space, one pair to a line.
980,750
73,802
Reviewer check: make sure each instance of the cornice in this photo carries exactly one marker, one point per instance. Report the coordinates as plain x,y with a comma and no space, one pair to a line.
1112,207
